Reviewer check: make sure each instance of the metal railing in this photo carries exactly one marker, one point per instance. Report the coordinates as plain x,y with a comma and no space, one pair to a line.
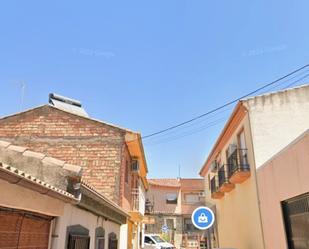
214,184
238,161
138,200
135,199
223,175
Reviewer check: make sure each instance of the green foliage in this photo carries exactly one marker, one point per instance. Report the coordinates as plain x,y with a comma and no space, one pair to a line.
166,237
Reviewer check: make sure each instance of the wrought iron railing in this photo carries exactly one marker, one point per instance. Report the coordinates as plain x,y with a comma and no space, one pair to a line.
214,184
223,175
238,161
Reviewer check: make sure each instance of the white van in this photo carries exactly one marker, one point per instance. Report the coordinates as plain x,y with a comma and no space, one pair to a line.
154,241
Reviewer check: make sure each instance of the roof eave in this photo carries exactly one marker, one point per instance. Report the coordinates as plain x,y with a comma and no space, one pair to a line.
238,108
19,178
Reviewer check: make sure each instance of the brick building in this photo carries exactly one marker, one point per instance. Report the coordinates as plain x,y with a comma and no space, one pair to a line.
172,203
45,204
112,158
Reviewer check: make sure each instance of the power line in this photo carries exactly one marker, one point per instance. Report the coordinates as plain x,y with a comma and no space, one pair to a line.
202,128
190,125
226,104
287,81
296,81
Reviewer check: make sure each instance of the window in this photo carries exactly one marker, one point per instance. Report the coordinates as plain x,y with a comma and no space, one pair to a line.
148,240
112,241
100,242
77,237
126,172
99,238
188,226
243,158
171,198
158,239
78,241
241,140
191,198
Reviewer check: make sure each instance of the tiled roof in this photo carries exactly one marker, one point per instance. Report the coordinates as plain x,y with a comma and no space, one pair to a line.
166,182
183,183
26,153
9,152
104,198
192,184
27,168
10,173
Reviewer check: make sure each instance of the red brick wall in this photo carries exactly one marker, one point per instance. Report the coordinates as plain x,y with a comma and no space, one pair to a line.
126,186
99,148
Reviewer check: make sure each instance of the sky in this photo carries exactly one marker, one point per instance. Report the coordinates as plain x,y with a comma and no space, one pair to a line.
147,65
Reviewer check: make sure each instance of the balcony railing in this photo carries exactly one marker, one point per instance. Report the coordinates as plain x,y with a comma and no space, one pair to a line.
238,166
214,188
135,199
149,205
224,184
138,200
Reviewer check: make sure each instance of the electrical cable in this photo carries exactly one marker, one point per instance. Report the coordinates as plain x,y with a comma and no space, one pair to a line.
226,104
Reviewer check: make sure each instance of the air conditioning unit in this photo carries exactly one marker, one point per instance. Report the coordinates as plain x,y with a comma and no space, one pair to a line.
135,166
214,166
231,149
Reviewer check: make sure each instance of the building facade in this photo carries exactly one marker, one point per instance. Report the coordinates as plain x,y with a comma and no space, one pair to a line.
112,158
258,128
283,188
44,204
171,203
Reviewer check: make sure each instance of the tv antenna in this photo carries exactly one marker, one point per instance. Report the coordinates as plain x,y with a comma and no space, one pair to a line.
22,95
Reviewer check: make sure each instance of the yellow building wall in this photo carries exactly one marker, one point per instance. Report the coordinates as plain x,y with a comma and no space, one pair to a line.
237,213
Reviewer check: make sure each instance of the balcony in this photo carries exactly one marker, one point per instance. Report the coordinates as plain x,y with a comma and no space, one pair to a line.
238,166
149,205
215,192
224,184
137,203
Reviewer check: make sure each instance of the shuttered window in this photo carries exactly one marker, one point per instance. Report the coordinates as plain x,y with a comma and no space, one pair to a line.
21,230
78,241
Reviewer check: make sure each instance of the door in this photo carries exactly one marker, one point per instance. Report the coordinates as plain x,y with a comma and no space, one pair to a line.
296,219
21,230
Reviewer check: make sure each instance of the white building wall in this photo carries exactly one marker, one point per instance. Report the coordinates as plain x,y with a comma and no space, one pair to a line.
123,243
142,199
276,120
76,216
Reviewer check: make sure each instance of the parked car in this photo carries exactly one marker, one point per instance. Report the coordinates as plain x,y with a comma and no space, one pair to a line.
154,241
